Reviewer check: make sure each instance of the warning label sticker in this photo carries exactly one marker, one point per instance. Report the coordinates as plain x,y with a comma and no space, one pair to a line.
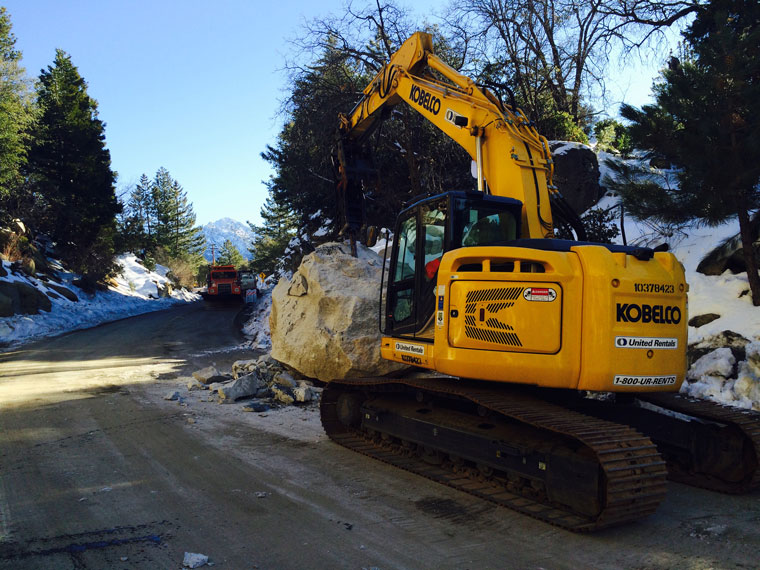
545,294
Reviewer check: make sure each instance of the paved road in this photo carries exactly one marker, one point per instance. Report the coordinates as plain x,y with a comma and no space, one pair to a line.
97,471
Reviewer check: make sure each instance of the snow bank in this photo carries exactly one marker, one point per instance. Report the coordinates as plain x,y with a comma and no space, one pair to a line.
256,329
136,292
712,377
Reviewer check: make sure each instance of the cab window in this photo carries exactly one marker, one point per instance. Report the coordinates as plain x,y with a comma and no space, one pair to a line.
483,224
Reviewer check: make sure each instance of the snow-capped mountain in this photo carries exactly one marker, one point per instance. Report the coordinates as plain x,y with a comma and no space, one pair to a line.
238,233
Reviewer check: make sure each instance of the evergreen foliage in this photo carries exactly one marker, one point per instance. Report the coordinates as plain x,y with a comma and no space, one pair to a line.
16,115
272,238
409,156
175,228
69,169
560,126
612,136
600,226
230,255
706,123
158,216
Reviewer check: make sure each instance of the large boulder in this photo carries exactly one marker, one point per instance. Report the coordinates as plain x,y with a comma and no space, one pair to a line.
324,319
24,298
576,174
728,255
65,291
6,306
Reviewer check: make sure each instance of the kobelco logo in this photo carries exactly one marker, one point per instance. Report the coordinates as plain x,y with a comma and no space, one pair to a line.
659,314
426,100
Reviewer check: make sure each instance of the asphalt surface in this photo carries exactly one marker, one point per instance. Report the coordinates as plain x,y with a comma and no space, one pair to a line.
98,471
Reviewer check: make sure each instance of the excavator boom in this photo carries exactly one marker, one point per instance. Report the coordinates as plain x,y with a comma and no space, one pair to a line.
515,157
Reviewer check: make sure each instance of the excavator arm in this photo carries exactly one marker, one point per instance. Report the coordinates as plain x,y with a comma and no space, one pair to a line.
515,162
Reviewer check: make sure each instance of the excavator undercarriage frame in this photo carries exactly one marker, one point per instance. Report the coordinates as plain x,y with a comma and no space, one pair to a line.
503,445
576,463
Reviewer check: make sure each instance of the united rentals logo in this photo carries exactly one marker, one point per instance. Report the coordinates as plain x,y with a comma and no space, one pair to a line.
410,348
646,342
426,100
659,314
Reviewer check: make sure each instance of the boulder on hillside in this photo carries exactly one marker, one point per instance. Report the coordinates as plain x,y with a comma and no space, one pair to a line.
576,174
728,255
6,306
24,298
65,291
324,320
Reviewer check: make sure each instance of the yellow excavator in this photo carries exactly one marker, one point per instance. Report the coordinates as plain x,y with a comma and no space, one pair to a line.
559,362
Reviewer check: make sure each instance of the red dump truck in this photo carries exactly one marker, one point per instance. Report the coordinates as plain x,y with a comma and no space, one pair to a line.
223,281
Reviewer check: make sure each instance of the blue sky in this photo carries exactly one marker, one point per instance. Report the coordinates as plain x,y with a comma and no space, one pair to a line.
193,86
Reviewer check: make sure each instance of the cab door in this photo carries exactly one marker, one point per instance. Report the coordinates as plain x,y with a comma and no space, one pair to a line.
402,283
419,246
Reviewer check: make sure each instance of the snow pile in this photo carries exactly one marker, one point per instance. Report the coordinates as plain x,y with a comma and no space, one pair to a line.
566,146
256,328
135,291
715,377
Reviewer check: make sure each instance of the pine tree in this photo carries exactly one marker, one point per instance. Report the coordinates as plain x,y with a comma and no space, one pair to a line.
186,239
706,122
174,226
230,255
70,170
143,210
137,222
272,237
161,207
15,118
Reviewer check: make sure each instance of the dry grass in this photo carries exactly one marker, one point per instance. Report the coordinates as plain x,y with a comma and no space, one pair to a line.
13,246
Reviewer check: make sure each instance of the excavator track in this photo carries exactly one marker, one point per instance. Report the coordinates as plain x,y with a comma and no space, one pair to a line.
731,463
621,476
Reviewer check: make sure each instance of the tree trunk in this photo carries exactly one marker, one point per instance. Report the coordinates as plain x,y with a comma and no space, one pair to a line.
414,173
747,235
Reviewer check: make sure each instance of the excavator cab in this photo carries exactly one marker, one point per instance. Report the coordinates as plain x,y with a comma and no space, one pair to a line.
424,232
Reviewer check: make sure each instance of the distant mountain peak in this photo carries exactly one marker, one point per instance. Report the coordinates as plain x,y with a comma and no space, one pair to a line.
223,229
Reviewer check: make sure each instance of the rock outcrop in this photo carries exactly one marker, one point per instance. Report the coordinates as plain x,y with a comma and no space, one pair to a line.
728,255
20,297
324,319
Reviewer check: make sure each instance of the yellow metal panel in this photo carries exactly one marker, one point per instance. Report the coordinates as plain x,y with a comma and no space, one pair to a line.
635,311
554,326
515,316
